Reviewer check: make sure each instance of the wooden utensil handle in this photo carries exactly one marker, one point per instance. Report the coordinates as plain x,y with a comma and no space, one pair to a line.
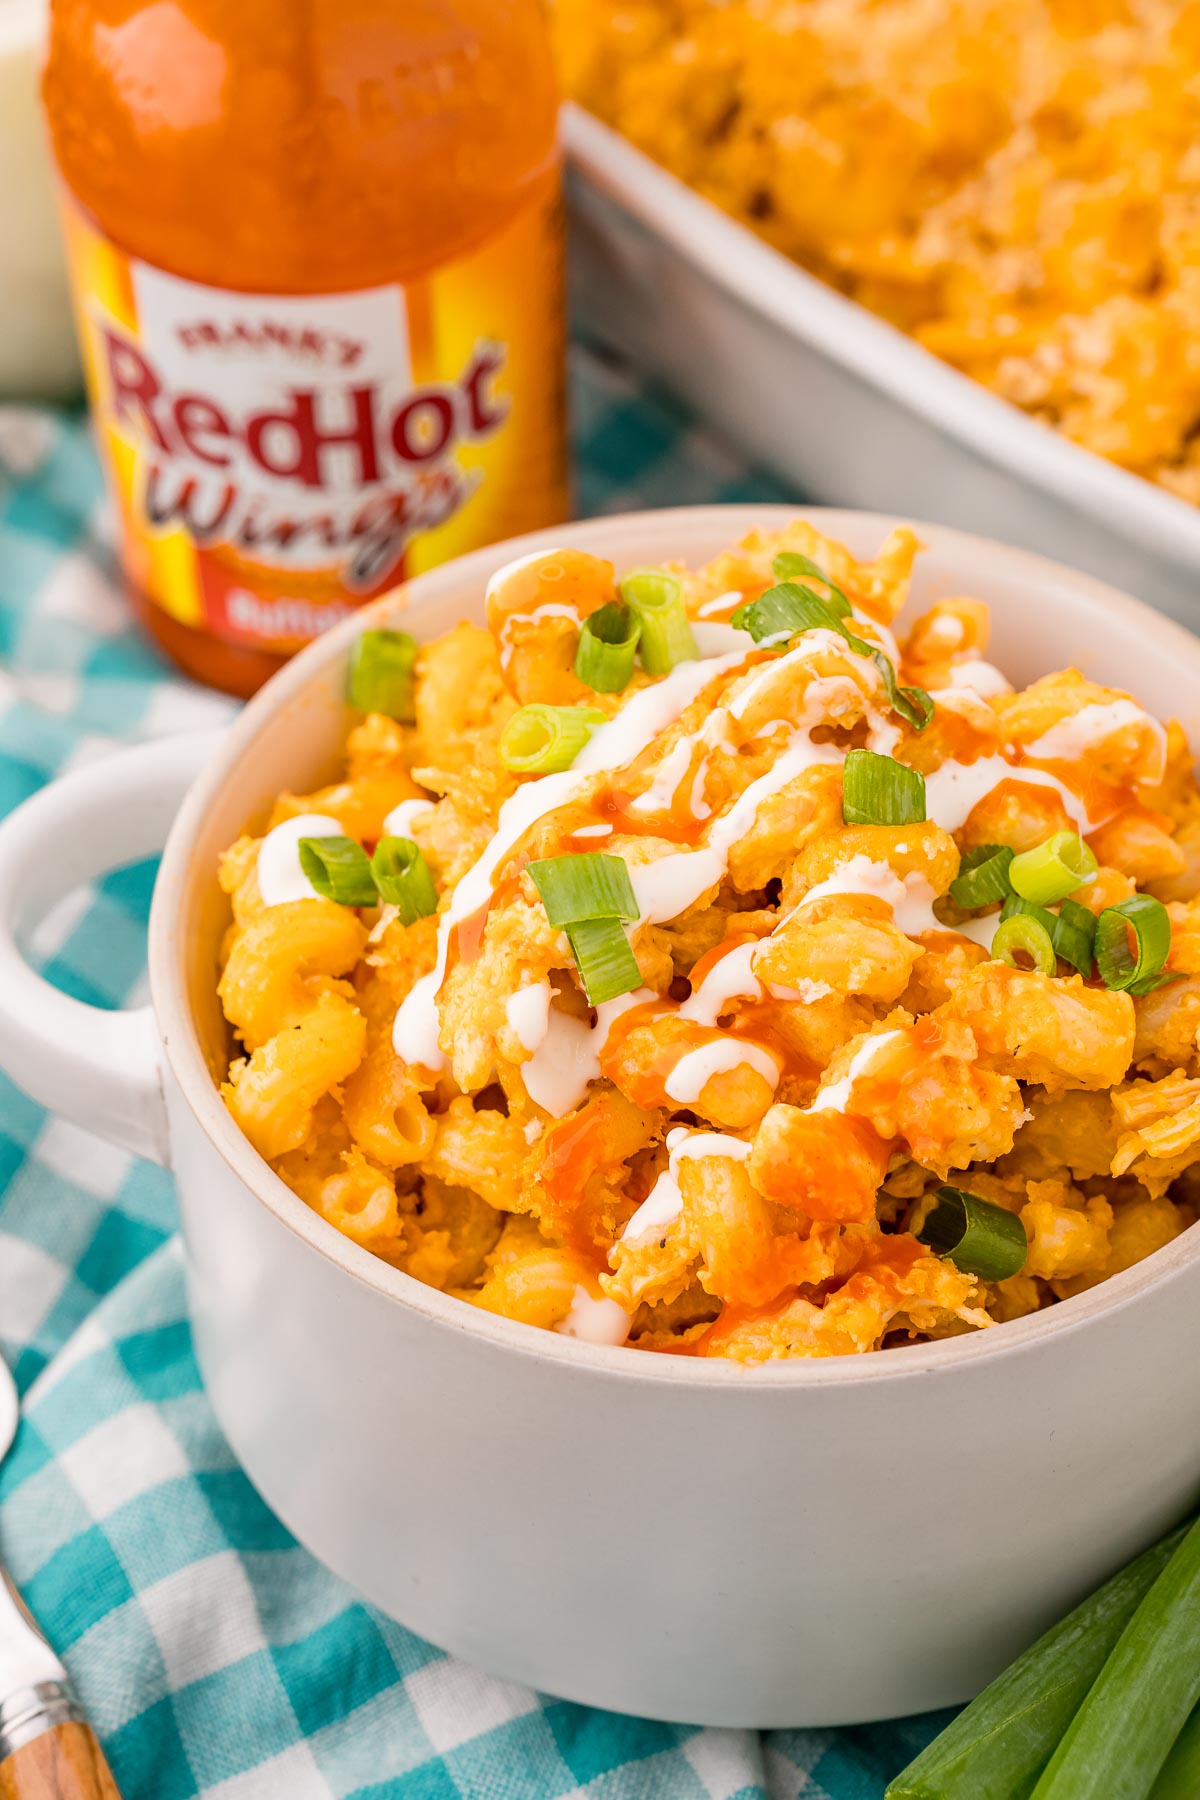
64,1763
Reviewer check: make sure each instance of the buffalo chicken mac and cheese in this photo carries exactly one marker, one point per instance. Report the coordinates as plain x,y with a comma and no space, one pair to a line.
682,961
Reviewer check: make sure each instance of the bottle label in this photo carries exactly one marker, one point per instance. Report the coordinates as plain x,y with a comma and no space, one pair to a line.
277,460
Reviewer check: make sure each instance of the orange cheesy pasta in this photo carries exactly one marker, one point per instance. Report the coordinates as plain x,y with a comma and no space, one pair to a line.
683,962
1014,182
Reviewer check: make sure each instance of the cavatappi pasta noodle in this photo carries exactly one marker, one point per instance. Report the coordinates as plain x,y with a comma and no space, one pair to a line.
735,1157
1015,182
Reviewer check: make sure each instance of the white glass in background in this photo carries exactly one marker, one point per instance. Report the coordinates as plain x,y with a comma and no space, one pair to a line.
38,358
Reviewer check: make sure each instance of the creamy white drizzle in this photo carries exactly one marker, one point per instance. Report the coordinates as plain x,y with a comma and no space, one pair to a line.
945,632
910,896
496,581
667,777
602,830
1092,725
696,1068
644,715
727,602
280,877
664,1202
595,1321
399,822
666,888
731,977
715,639
953,791
528,1013
981,677
835,1097
810,645
567,1056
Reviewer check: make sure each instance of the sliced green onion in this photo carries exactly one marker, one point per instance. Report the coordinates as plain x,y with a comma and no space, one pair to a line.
608,641
1072,929
403,879
913,704
381,674
656,600
1149,983
1180,1776
790,563
607,966
1074,935
982,876
789,608
786,610
1022,933
544,740
878,790
1139,1702
1054,869
996,1748
590,885
339,869
977,1237
1151,927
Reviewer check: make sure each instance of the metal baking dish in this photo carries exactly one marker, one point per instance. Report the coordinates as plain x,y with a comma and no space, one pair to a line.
842,405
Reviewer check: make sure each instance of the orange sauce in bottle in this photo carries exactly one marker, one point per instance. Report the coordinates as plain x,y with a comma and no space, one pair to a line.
316,250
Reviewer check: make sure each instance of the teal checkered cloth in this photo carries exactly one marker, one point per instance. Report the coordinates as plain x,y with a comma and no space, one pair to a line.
214,1656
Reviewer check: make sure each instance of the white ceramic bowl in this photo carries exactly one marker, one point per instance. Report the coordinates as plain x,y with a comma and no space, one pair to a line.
811,1542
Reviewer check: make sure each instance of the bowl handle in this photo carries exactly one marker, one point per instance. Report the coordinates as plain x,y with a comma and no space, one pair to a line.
99,1069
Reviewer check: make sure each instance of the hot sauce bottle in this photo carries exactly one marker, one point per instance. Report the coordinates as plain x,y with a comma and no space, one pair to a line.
316,254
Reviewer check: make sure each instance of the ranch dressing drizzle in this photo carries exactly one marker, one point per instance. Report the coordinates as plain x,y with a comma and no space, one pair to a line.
696,1068
731,977
399,822
567,1056
727,602
1091,725
641,719
280,877
910,897
528,1014
664,1202
835,1097
595,1321
953,791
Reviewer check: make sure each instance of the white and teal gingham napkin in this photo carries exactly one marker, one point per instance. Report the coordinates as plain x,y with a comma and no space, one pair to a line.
215,1657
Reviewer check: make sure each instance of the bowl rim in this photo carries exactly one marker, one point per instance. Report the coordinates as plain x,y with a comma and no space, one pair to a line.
184,1054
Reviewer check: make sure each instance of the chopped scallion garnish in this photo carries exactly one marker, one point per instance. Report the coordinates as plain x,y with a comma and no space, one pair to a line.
655,597
1075,935
1023,934
791,607
608,641
790,563
977,1237
878,790
982,876
402,876
607,966
545,740
786,609
1139,971
339,869
1052,870
590,885
381,674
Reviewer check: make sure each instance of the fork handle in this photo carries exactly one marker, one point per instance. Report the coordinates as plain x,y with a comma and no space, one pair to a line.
49,1752
64,1763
